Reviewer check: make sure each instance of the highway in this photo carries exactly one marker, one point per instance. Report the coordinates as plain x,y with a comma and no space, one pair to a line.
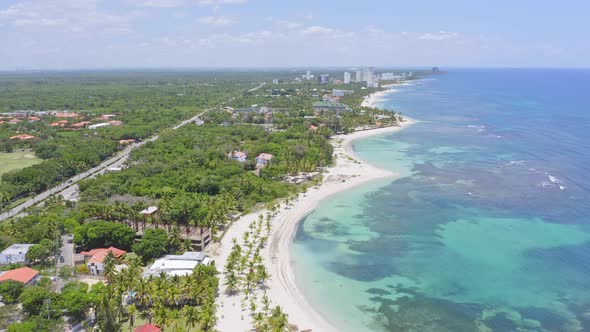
65,187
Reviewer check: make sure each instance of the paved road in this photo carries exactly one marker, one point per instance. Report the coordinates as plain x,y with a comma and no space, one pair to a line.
115,161
67,250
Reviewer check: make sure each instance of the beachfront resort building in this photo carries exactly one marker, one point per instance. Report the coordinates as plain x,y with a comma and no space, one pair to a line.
24,275
263,159
96,258
179,265
321,106
16,253
240,156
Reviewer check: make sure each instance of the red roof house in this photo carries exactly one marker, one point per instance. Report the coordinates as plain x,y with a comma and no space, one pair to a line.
66,115
22,137
147,328
26,275
116,252
97,257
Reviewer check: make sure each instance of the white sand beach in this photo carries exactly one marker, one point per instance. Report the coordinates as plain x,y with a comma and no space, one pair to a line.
347,172
374,98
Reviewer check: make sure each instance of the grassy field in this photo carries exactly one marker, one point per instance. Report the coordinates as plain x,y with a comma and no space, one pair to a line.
17,160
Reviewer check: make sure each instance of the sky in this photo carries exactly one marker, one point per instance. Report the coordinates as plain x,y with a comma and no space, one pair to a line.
94,34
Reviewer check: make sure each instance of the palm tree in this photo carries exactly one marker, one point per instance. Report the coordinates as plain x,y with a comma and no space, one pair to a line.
266,303
109,267
278,320
175,317
186,246
131,309
232,282
262,274
161,316
174,238
259,321
207,317
191,316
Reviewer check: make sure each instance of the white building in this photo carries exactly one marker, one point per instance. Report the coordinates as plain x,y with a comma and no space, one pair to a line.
240,156
308,75
179,265
275,81
263,159
388,76
369,77
346,78
97,257
358,77
98,125
16,253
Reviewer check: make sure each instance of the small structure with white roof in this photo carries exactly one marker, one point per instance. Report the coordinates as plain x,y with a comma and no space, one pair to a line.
16,253
149,210
180,265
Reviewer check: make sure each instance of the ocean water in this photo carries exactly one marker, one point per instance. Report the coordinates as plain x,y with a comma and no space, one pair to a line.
488,230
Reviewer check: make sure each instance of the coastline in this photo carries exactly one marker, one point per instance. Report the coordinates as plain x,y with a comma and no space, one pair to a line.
349,171
374,98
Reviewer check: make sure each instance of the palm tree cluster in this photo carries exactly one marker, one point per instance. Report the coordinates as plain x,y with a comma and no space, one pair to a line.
177,303
246,273
190,213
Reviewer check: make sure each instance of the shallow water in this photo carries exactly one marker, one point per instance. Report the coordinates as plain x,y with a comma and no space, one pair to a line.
489,228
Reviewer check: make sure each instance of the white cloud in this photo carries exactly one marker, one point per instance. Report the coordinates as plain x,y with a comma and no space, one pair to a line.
316,29
182,3
440,35
66,16
159,3
220,2
285,24
217,20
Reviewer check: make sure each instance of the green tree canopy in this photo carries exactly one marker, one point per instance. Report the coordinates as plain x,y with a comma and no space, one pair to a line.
154,244
98,233
10,291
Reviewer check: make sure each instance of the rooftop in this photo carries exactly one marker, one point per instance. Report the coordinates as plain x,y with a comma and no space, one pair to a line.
17,249
147,328
23,274
178,264
265,156
99,254
149,210
319,104
22,137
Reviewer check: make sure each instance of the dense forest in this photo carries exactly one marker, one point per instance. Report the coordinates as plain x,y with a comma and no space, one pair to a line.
143,102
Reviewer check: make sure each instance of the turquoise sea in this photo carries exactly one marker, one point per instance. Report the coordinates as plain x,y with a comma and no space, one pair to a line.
488,230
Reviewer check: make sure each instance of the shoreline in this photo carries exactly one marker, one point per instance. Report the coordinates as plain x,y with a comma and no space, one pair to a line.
348,172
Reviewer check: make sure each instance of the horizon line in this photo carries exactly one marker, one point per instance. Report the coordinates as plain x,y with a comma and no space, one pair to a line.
276,68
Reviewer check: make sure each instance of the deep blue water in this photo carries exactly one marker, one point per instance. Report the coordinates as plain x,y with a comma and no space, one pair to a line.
489,230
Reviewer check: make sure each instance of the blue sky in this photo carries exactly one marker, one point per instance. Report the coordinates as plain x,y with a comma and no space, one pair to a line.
69,34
